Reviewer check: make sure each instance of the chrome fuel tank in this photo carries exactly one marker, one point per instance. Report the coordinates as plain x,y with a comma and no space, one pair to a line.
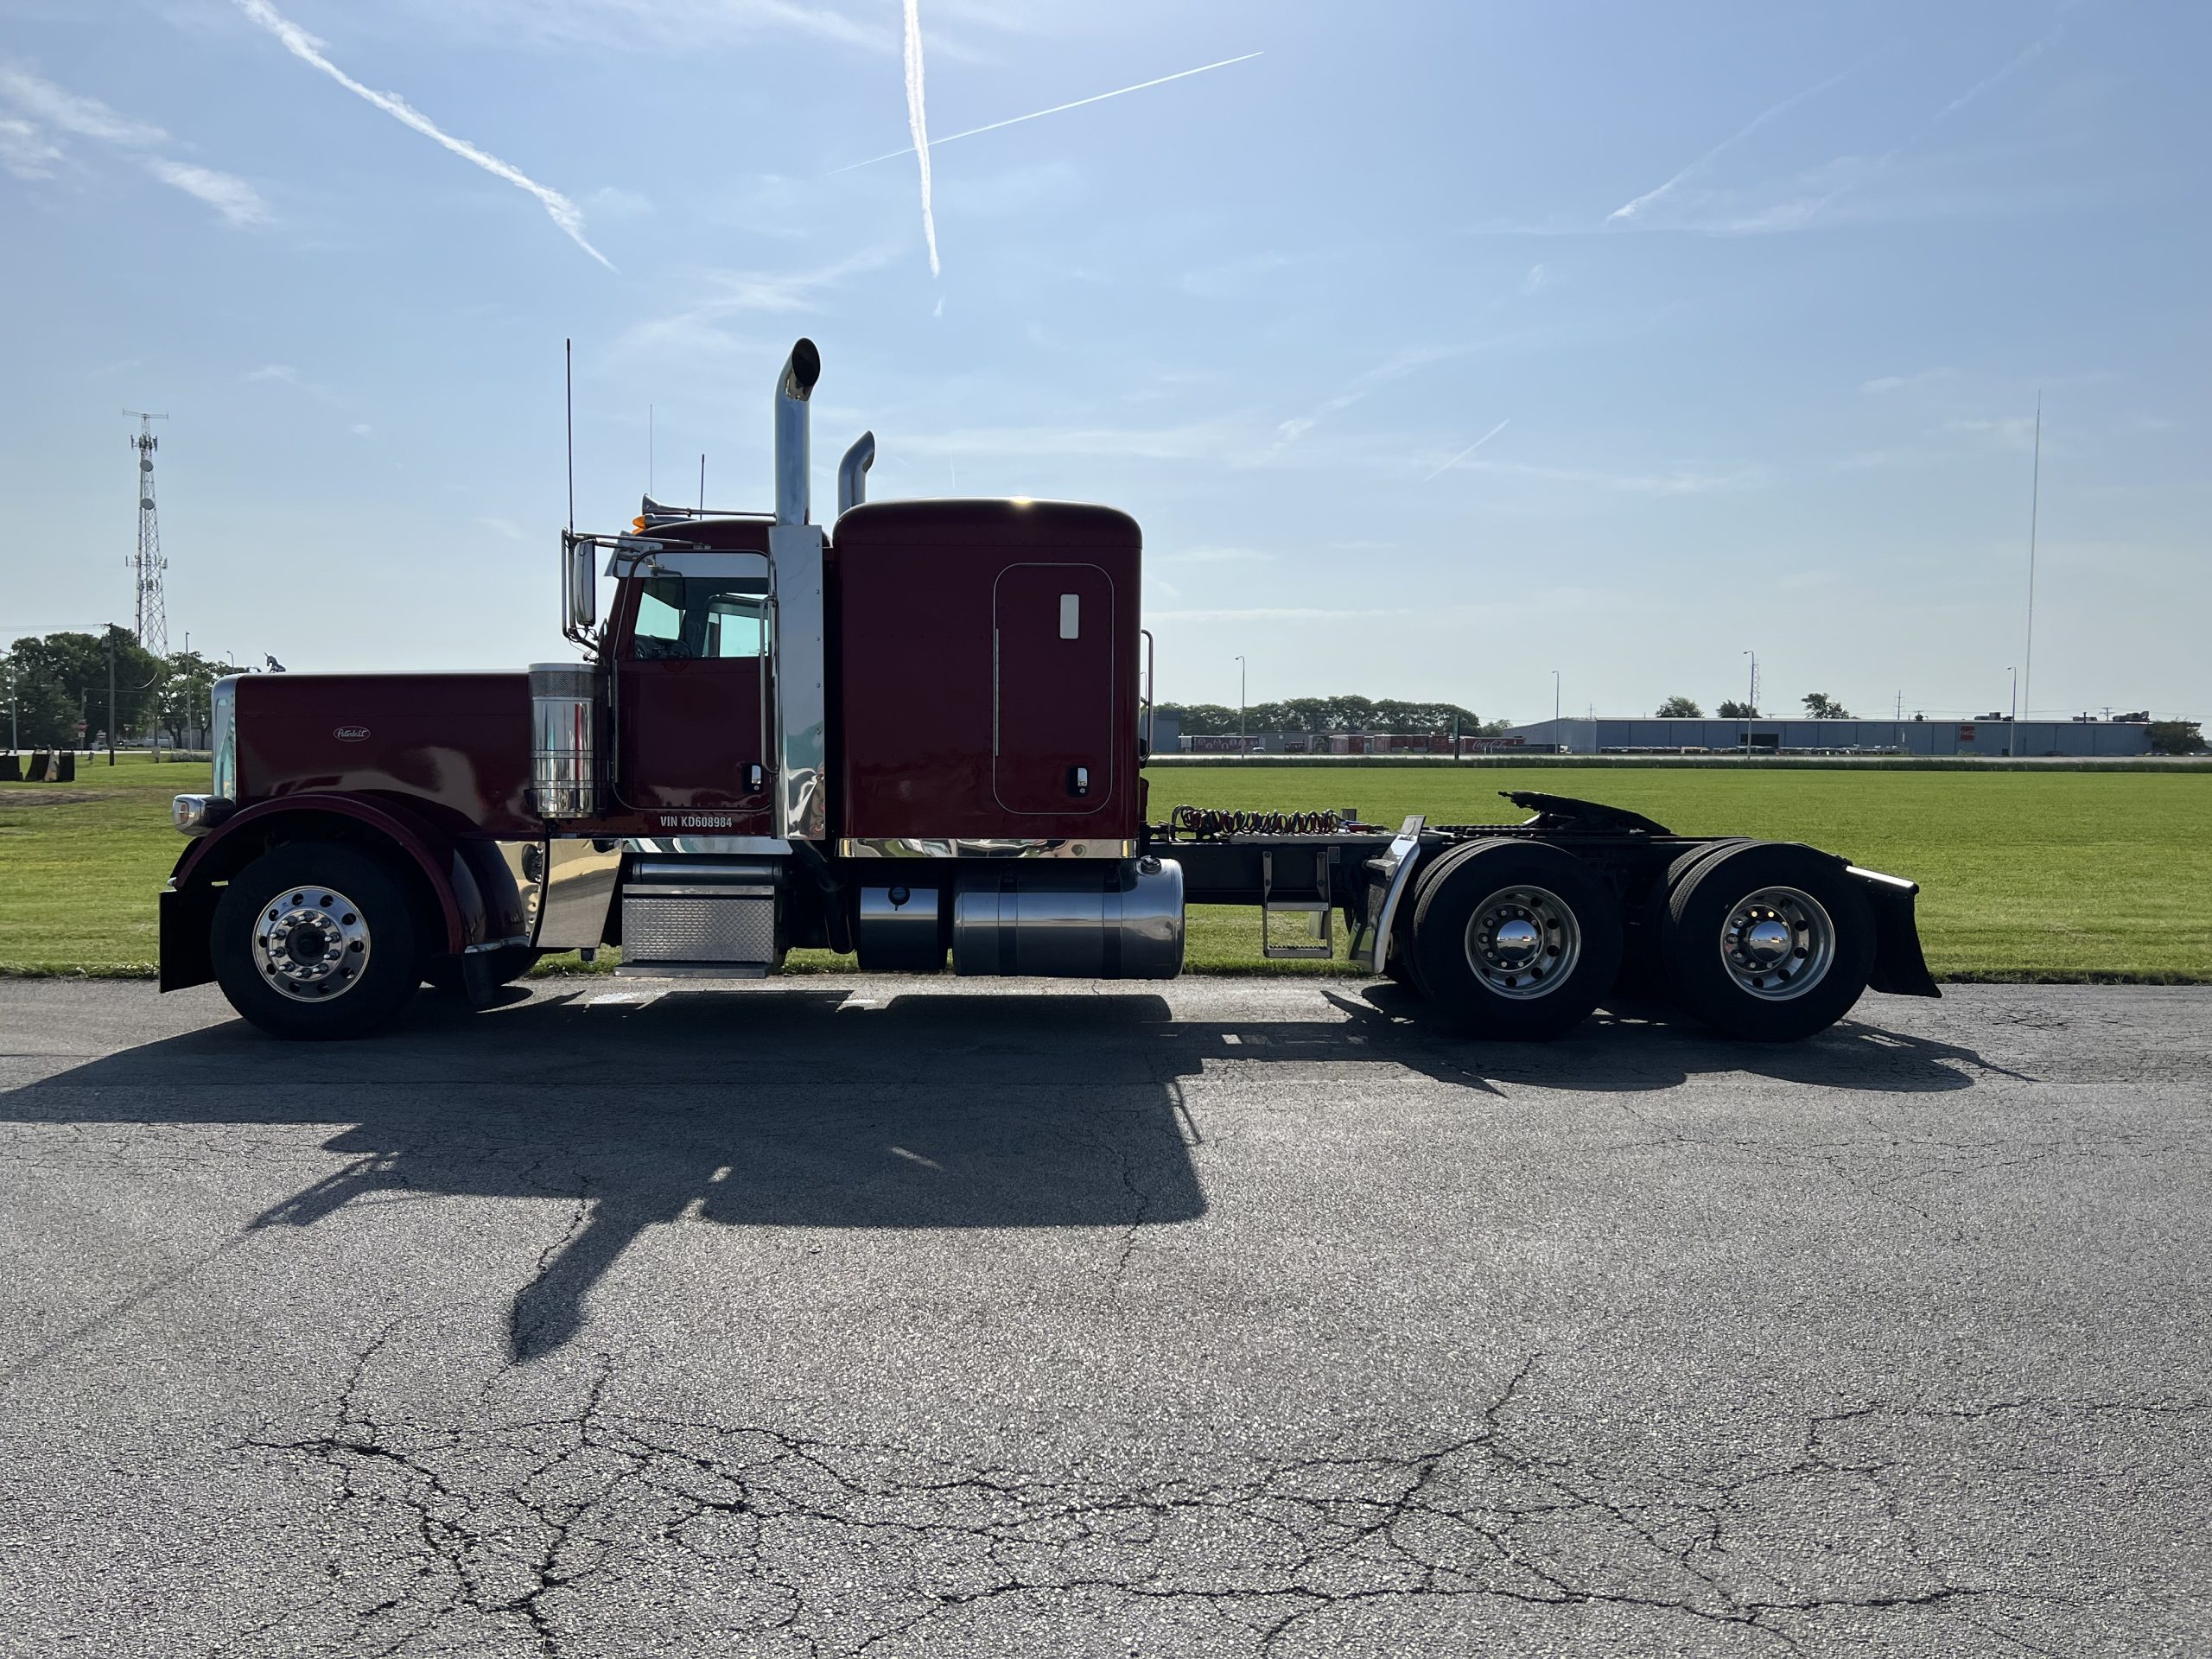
1119,920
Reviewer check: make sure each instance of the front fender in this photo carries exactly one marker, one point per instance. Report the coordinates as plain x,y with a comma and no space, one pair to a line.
188,906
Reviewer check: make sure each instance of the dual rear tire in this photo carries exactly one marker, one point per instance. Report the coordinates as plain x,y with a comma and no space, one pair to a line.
1514,940
1765,941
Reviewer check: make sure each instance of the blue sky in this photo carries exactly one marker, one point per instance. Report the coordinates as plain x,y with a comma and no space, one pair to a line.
1436,347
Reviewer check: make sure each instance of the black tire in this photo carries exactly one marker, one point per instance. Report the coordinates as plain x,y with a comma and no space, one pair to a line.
1573,918
280,897
1718,985
1643,965
1404,964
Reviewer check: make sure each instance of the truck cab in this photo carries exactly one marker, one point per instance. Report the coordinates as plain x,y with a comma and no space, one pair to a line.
913,735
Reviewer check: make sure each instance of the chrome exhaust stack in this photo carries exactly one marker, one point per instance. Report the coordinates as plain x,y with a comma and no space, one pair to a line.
794,385
852,474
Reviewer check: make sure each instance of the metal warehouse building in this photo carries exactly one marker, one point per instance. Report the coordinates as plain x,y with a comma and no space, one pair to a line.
2070,738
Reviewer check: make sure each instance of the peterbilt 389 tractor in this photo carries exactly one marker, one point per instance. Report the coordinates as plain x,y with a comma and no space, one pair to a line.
914,734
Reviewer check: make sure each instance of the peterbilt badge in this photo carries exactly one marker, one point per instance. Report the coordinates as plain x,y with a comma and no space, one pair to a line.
351,734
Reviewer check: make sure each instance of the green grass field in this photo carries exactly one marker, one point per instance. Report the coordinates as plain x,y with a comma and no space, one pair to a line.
2025,875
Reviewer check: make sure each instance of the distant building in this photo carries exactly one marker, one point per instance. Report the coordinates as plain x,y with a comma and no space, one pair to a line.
2082,739
1323,743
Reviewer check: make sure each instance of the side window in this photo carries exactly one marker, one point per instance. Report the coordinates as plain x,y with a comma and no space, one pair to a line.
692,617
734,626
659,632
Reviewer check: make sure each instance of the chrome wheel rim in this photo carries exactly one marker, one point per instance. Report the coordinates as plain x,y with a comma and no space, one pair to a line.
311,943
1777,943
1523,942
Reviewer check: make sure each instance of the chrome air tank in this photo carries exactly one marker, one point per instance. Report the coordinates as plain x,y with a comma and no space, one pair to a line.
1070,920
563,741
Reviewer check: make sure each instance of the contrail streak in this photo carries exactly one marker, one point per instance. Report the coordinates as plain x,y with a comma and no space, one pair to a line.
1469,450
1630,210
1016,120
918,121
306,47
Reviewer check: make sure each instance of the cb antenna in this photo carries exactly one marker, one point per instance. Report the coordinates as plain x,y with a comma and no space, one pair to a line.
569,392
702,485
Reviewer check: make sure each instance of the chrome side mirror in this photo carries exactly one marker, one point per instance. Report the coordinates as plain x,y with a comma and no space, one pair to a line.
579,584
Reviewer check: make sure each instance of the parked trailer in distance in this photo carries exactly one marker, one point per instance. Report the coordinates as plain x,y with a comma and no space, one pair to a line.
916,736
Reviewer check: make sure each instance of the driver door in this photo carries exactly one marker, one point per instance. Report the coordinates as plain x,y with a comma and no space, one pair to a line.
689,705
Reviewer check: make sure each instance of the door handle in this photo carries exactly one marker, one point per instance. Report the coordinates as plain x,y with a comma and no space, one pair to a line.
1078,781
756,779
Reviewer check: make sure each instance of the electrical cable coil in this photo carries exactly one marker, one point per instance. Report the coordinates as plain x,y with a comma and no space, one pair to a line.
1213,821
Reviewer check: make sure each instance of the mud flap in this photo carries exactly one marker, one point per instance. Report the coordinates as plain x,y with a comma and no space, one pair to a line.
185,916
1899,967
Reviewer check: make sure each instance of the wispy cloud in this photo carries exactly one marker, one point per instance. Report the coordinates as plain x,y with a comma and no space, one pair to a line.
1881,384
1818,189
1629,210
1469,450
1270,613
81,117
308,50
283,371
918,123
1211,555
27,151
698,326
1538,279
1397,366
647,25
1209,440
1034,115
1680,481
239,202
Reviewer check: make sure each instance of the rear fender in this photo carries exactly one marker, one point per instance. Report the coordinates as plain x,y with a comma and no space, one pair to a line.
458,896
1899,967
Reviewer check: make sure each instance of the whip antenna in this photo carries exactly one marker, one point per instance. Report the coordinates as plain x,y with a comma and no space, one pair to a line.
569,395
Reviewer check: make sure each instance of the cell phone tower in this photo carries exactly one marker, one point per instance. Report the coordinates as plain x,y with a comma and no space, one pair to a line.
152,623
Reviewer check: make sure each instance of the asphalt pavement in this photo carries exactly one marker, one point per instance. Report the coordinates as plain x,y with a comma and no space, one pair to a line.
1226,1317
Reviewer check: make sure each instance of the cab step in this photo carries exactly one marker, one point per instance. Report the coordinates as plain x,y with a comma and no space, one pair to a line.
684,917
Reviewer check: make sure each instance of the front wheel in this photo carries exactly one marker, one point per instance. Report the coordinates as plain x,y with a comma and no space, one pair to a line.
1515,940
1770,941
316,939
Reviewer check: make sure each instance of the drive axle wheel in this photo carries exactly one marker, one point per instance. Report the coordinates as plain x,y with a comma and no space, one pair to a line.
1515,940
315,940
1769,940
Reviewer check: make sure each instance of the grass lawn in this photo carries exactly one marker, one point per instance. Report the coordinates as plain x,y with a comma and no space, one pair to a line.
2024,874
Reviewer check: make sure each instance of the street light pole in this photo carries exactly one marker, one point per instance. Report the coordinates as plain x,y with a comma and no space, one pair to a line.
2013,726
111,693
1243,750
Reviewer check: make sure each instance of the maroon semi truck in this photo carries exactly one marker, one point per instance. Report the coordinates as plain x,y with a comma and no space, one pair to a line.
915,734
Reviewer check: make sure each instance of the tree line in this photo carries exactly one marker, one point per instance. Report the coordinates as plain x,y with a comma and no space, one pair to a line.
54,691
1818,705
1342,713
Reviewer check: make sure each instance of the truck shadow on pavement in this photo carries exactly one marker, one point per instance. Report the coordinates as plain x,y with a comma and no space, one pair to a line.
806,1107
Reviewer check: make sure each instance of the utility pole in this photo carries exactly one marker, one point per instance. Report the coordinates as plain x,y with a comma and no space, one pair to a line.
1752,703
2035,503
1554,702
152,625
111,631
1242,750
